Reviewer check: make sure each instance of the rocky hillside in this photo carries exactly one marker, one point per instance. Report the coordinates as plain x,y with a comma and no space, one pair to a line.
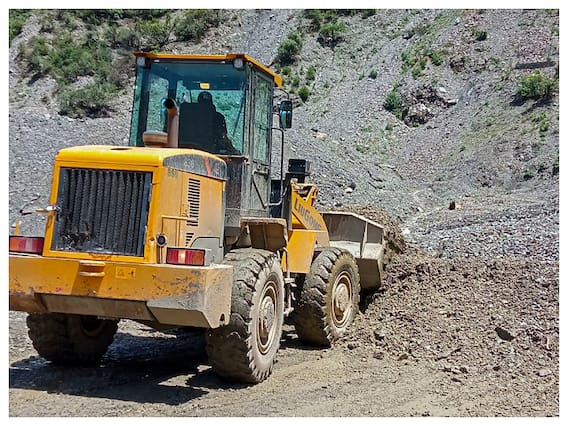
459,130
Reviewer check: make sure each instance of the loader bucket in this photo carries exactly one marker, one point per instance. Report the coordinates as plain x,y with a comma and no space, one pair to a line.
364,239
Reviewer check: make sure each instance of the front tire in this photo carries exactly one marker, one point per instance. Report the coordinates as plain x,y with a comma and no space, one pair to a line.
67,339
245,349
329,298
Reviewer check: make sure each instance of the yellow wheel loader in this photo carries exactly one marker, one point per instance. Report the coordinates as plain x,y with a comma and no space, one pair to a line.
189,225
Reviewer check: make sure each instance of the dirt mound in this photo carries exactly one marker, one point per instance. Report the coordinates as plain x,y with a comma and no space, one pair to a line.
467,317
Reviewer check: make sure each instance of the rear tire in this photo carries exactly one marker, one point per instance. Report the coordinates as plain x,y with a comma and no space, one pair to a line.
329,298
67,339
245,349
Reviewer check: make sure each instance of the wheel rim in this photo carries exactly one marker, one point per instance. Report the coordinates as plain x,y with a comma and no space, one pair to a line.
342,299
267,322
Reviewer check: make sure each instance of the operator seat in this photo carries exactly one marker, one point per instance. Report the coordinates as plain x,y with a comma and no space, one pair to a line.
196,126
200,125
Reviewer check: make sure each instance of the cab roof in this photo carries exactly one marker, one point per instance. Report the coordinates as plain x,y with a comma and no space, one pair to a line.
229,57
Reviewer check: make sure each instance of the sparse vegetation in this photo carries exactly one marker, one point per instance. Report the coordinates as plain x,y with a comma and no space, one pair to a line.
437,57
17,18
479,34
156,33
65,58
92,100
289,48
304,93
330,34
311,73
194,23
536,86
542,122
319,17
394,104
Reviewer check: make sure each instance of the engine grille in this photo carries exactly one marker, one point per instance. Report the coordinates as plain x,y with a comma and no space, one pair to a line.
193,197
102,211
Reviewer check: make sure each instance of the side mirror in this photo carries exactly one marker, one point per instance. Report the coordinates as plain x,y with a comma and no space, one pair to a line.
285,114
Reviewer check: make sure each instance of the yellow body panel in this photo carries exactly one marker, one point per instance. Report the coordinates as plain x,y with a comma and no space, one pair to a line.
175,287
186,203
125,156
169,210
308,230
299,251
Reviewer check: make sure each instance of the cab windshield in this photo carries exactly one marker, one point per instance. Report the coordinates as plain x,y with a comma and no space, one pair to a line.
210,97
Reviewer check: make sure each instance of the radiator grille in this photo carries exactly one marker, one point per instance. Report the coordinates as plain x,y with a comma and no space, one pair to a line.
193,196
102,211
193,193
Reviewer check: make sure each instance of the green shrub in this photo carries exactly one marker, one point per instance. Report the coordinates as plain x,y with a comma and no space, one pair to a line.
331,33
436,57
289,48
311,73
17,18
542,122
296,36
69,59
36,54
92,100
417,70
155,33
479,34
394,104
304,93
65,59
536,86
408,60
392,101
122,37
373,74
316,18
194,23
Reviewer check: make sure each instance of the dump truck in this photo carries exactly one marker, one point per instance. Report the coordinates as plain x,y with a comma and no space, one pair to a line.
191,225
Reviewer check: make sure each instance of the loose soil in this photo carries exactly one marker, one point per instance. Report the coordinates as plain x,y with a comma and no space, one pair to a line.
465,336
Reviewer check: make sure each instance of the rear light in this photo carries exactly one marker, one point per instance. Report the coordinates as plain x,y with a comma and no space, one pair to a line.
32,245
180,256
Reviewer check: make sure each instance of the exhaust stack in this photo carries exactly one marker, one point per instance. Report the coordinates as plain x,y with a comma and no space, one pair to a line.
172,128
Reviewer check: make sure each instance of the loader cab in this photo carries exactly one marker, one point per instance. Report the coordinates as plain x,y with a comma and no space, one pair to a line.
241,90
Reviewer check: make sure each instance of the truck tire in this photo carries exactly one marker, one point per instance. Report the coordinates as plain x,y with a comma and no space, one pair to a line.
329,298
245,349
66,339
